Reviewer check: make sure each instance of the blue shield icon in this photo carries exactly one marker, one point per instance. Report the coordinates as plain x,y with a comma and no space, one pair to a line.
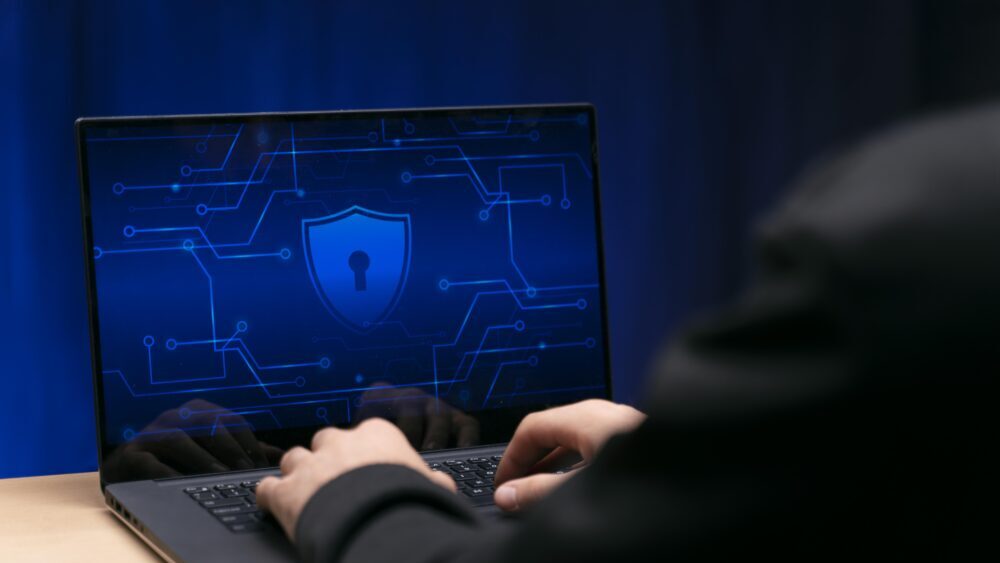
358,262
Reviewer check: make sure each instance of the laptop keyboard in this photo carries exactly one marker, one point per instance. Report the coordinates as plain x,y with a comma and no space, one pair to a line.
235,504
474,476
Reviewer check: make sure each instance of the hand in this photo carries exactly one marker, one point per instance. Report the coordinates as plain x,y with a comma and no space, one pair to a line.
335,452
544,439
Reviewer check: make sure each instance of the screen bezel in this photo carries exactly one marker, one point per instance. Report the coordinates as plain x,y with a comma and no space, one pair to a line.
301,434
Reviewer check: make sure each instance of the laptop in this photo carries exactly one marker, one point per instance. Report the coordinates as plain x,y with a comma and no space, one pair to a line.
254,278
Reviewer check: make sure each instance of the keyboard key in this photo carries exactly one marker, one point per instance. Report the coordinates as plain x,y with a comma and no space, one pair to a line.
223,502
477,492
452,462
497,458
234,509
462,469
193,490
230,493
245,527
204,496
435,466
464,476
237,518
251,484
225,486
488,475
477,460
477,484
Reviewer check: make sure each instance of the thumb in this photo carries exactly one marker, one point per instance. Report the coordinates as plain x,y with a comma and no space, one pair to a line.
518,494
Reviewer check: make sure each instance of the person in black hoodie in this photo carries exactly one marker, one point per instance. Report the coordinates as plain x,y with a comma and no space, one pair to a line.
844,407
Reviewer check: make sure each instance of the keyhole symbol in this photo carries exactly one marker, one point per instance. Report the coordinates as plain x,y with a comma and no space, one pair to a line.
359,261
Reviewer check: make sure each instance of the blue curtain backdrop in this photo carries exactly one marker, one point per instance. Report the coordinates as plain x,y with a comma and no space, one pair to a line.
706,110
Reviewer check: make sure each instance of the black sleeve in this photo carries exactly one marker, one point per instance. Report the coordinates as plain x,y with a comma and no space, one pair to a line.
807,422
383,513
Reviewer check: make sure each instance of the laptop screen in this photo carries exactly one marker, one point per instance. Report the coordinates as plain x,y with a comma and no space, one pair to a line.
256,277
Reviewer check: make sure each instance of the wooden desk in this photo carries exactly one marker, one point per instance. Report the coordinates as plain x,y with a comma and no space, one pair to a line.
63,518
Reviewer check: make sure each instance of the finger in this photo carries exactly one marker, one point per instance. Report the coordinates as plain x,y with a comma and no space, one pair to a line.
325,436
293,458
265,492
537,435
380,427
520,493
559,458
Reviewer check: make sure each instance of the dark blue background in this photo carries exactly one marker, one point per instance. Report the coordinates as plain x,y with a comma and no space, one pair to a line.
707,110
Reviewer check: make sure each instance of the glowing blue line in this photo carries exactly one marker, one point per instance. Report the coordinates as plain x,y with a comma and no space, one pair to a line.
516,201
472,364
271,406
510,241
496,377
197,342
477,282
240,256
226,160
539,346
180,391
454,175
289,366
583,165
343,138
506,128
482,194
211,292
359,389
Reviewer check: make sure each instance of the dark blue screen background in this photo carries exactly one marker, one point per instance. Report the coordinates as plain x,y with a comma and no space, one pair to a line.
204,288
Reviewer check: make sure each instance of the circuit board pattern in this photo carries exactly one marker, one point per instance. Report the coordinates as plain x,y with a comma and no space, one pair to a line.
203,288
